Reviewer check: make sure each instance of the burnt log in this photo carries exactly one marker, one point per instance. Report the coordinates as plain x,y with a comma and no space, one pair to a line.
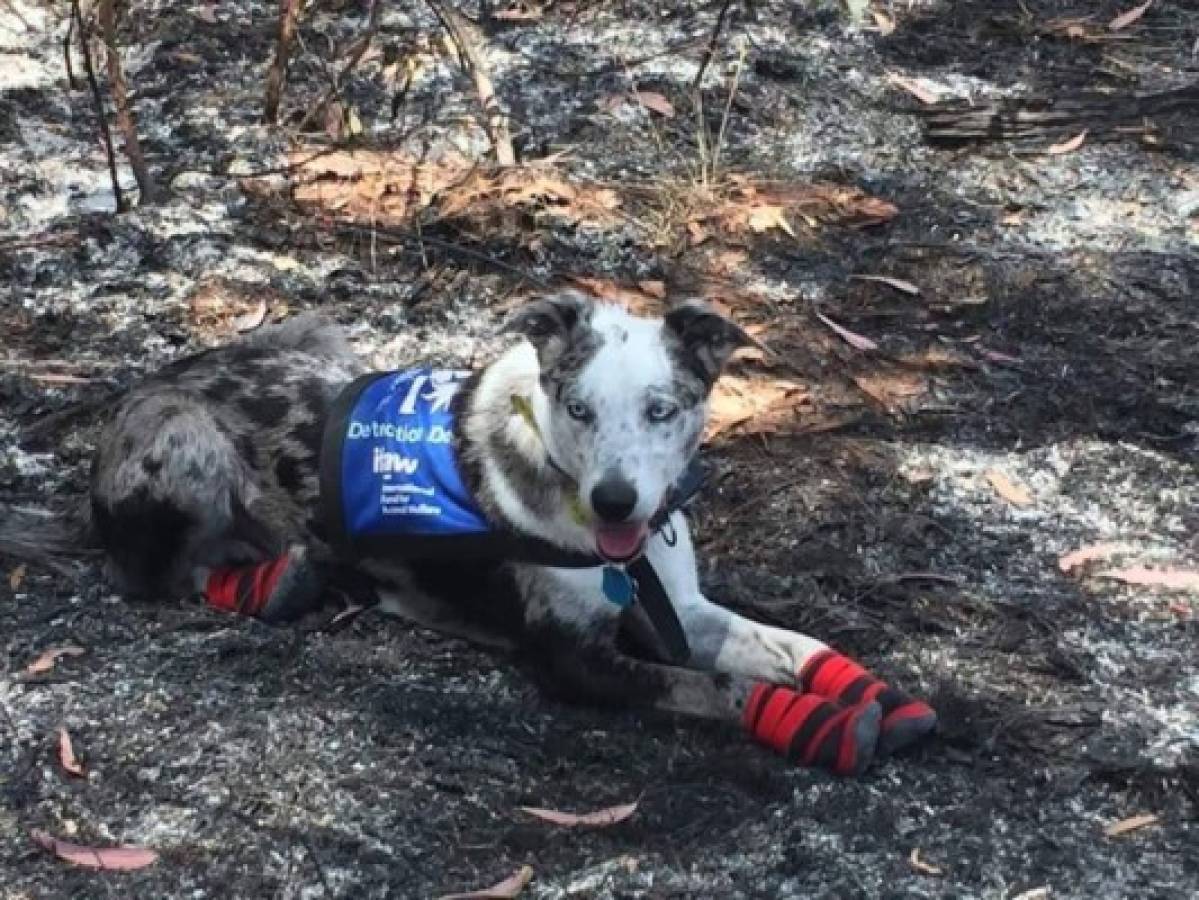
1165,120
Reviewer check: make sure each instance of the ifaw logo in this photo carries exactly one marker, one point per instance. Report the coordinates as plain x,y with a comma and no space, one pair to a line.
385,462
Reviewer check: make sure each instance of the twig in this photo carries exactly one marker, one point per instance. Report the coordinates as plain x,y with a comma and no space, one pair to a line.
98,101
617,65
710,50
46,238
289,17
707,163
418,242
120,100
459,30
728,108
12,8
52,424
66,50
356,52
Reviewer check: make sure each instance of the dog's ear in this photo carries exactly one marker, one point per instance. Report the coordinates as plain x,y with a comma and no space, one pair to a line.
552,323
706,338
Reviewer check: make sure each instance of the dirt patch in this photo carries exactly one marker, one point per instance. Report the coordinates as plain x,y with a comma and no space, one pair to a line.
1050,340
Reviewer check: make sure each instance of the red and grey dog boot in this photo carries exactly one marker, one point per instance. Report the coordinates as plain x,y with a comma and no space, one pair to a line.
837,677
277,591
813,730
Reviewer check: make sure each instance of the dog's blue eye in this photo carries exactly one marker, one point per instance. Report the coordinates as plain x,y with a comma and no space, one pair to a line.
578,410
661,411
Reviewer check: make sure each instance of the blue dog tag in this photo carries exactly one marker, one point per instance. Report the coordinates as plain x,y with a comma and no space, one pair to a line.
618,586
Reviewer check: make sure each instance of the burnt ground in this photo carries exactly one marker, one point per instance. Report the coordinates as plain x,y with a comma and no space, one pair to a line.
1053,341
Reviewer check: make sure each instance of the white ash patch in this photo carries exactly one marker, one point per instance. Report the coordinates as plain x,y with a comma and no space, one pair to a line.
14,458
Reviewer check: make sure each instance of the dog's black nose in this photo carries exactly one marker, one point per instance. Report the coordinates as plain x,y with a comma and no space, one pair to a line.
613,499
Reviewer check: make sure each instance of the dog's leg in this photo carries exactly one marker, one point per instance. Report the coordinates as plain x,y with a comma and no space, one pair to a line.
572,638
726,642
302,586
807,729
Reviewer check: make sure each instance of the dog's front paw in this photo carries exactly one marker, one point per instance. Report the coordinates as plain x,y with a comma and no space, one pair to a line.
906,719
812,730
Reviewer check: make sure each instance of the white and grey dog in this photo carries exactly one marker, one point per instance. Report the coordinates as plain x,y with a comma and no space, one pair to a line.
208,479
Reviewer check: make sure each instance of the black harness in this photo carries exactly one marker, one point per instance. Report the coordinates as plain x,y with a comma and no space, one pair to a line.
386,491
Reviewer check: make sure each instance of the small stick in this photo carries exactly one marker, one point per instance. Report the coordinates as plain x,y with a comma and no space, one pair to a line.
98,101
12,8
459,29
120,100
355,55
710,51
289,17
66,51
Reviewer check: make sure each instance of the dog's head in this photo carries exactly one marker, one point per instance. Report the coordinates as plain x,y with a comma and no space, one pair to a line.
625,403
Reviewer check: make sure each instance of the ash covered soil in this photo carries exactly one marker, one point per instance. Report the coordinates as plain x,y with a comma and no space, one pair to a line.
1052,344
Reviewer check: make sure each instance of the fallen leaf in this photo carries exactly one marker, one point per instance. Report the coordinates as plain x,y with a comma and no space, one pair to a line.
921,866
656,102
898,283
66,754
937,359
15,577
1127,18
653,288
1038,893
763,205
601,818
882,21
634,299
1170,579
122,858
1068,146
250,319
913,87
184,56
696,233
45,662
756,405
517,14
857,341
1132,823
206,13
1075,559
59,378
335,120
894,391
506,889
766,217
996,357
1013,493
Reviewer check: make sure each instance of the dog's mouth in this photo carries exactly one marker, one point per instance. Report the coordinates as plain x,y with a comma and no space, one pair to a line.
621,543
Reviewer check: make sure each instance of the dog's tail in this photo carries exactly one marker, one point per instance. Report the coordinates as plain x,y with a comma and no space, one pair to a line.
54,539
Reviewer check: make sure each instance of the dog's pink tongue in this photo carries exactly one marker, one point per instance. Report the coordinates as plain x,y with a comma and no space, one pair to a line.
619,541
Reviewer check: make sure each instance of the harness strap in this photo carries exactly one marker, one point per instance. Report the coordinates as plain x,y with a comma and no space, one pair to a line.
657,605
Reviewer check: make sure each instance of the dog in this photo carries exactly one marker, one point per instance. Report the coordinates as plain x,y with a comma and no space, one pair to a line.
212,478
